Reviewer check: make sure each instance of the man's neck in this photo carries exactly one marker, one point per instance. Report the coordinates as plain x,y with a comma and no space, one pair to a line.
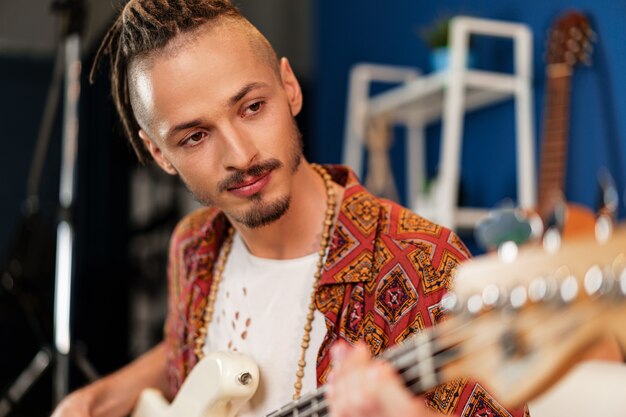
299,231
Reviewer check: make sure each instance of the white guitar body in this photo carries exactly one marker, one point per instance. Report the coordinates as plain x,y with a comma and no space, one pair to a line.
216,387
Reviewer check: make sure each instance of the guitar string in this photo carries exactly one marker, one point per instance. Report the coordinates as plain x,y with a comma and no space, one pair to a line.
547,328
412,380
411,374
554,328
297,408
449,328
399,354
538,324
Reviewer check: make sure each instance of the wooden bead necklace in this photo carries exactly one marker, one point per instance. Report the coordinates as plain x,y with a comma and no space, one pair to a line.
325,243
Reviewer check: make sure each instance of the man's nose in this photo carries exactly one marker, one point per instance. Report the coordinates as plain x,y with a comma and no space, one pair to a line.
240,150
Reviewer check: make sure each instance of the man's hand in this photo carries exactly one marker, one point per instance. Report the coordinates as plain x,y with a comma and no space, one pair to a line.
360,386
117,394
77,404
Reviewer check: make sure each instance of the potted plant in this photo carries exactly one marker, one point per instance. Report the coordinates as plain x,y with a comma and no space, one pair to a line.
436,37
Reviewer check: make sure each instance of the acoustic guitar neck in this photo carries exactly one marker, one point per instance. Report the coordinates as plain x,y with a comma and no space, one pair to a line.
555,133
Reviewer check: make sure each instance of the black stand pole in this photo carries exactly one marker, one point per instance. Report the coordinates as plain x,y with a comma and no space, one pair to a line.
71,13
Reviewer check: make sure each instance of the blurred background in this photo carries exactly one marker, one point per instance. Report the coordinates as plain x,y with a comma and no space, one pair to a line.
124,213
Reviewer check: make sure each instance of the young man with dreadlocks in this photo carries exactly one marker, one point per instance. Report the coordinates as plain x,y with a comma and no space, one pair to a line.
288,259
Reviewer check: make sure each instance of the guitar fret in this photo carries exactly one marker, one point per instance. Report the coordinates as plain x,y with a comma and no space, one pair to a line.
554,114
550,178
550,183
553,172
555,169
550,142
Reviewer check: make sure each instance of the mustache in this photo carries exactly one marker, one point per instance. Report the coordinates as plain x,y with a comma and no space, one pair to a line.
257,170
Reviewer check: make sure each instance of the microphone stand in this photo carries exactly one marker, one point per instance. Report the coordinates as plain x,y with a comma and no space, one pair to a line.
72,14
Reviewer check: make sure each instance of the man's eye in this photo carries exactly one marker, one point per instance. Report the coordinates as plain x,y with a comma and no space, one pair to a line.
193,139
253,108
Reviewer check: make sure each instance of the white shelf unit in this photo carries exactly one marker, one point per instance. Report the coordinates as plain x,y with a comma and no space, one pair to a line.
447,96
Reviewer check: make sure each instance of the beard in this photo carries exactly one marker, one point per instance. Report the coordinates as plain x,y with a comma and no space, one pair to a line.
261,212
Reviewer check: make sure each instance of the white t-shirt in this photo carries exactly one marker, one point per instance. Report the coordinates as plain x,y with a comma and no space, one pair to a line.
260,311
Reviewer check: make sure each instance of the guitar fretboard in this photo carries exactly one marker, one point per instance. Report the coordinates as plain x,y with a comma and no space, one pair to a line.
555,131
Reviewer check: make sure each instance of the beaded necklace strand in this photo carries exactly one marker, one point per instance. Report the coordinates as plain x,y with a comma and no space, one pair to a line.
325,243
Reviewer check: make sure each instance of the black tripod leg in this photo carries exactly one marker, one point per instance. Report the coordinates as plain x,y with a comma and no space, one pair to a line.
28,377
82,363
61,377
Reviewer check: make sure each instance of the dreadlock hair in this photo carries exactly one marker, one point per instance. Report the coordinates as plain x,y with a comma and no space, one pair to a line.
144,26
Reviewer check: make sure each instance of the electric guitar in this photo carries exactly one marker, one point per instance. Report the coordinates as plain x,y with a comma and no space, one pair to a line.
523,320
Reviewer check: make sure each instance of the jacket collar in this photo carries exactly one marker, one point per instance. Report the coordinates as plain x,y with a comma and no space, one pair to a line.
351,254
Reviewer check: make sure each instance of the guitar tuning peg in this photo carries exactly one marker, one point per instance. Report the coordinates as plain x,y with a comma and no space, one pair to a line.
537,289
572,45
493,296
591,35
452,303
474,304
576,33
603,228
507,252
551,240
609,201
595,281
554,227
542,289
518,297
569,289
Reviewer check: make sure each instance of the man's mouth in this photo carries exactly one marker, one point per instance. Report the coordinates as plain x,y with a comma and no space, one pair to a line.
251,185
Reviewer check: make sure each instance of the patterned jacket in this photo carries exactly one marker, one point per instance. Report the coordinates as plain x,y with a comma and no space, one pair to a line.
385,274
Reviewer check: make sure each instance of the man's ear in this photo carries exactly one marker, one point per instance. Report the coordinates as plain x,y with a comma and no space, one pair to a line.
156,153
291,86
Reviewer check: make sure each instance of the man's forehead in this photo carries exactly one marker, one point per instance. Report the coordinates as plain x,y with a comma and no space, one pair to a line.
190,54
228,39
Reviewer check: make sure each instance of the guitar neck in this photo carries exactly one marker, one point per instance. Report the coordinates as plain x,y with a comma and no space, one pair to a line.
555,132
419,362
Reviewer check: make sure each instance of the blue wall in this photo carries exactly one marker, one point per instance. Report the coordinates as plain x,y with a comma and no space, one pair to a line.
388,32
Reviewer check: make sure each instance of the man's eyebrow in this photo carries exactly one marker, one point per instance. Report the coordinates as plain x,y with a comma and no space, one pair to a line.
183,126
245,90
231,102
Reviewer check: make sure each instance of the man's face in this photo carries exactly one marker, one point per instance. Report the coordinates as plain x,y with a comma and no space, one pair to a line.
220,116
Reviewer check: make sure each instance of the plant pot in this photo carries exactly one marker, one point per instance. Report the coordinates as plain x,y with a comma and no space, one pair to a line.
440,59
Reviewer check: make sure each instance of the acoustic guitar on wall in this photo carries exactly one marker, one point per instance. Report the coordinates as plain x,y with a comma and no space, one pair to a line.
569,44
